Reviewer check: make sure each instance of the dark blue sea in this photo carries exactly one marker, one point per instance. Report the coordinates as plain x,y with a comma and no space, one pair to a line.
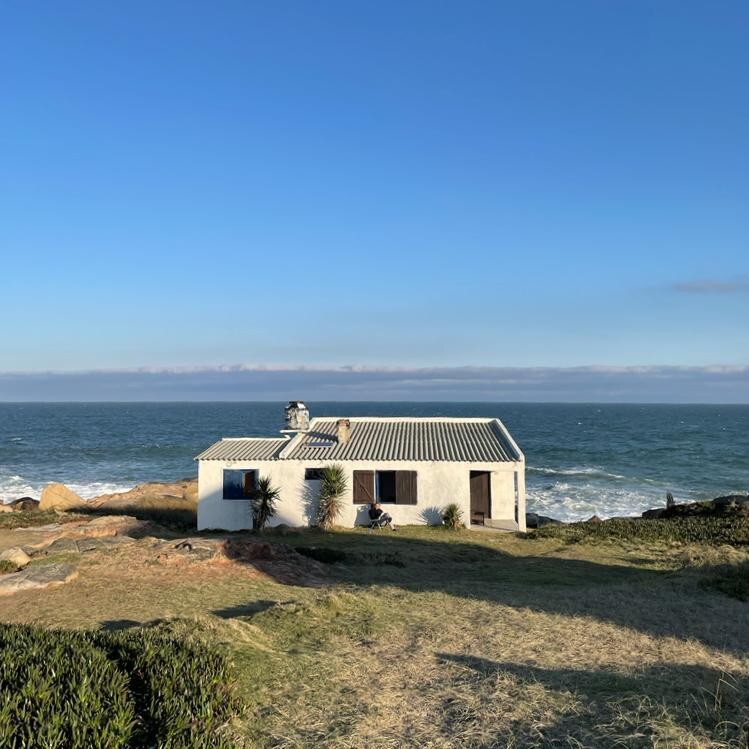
581,459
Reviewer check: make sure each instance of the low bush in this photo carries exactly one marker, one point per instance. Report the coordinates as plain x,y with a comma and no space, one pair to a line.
12,520
59,690
452,516
7,566
686,530
146,687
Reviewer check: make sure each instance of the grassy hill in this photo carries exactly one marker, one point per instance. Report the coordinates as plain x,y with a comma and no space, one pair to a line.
429,638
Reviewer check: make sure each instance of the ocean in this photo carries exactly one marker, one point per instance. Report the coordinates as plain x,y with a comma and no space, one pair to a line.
582,459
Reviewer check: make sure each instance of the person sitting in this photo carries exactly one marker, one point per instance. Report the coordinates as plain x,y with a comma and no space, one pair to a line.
379,518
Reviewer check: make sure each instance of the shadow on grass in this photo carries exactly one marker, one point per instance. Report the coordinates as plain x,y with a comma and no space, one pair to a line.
619,709
245,609
655,602
117,625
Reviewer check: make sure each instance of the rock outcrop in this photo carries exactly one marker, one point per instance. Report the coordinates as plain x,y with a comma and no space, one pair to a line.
534,520
59,497
184,491
731,505
45,576
24,504
16,555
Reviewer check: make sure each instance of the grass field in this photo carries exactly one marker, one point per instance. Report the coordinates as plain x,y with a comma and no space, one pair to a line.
432,638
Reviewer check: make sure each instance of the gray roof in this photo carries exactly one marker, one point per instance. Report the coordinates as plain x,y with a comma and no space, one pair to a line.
384,439
467,440
245,448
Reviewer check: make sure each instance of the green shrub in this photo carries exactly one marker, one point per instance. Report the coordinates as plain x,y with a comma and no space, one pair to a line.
332,487
7,566
137,688
11,520
263,503
60,691
452,516
685,530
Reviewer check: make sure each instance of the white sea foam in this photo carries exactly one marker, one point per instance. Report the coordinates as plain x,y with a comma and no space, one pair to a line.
97,488
13,486
575,471
577,501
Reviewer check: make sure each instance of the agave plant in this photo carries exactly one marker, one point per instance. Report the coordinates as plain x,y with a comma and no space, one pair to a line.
452,516
263,502
332,488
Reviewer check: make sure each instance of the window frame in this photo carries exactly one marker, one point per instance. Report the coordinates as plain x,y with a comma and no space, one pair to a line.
361,484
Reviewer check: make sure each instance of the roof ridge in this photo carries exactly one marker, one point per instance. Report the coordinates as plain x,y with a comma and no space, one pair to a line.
230,439
403,419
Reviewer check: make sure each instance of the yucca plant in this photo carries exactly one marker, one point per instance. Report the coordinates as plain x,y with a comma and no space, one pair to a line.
263,502
332,488
452,516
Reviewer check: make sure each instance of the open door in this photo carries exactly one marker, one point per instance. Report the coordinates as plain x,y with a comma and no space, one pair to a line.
481,500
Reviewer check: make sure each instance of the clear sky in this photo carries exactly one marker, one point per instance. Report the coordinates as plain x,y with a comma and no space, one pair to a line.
386,184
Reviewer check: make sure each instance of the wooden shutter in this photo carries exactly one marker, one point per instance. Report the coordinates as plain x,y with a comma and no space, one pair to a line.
405,487
250,484
363,487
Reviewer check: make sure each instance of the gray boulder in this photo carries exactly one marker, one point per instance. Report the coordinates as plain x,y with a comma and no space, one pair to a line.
534,520
46,576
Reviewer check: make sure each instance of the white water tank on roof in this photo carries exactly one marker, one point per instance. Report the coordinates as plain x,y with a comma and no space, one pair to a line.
297,416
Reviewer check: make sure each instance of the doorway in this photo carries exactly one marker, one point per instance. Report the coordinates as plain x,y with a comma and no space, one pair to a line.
481,498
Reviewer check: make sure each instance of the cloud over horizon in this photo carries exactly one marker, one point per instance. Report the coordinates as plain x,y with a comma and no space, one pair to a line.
695,384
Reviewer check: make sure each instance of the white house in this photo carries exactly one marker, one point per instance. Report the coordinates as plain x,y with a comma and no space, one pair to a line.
413,466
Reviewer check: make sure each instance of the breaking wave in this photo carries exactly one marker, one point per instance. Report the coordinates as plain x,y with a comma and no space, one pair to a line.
575,471
13,486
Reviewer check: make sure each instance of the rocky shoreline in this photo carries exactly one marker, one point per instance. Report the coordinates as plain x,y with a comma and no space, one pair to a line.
731,505
58,497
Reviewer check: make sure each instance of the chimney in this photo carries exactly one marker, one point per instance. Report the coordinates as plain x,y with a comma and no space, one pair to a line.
297,416
343,431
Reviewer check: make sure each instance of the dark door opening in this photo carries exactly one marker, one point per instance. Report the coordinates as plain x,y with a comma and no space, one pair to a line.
481,498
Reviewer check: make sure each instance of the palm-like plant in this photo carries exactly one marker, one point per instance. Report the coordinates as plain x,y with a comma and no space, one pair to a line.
332,487
263,502
452,516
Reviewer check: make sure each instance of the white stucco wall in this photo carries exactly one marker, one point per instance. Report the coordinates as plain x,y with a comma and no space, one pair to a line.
438,483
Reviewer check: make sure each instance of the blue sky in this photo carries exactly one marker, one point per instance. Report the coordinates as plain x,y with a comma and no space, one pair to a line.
388,185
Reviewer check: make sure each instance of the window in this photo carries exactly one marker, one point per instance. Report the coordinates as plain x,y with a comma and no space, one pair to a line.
313,474
239,484
397,487
385,483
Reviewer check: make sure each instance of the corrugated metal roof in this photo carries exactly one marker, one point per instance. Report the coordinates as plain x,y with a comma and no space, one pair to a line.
467,440
245,448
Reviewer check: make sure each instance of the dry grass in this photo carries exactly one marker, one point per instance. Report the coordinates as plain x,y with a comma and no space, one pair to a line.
470,640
